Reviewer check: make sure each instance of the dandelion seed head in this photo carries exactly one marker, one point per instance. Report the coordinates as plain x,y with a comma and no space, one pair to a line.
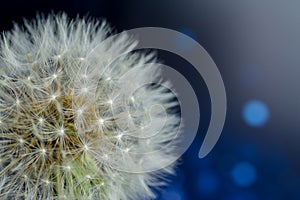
68,167
88,176
84,90
17,102
21,141
41,120
79,111
86,147
132,99
110,102
57,56
101,121
61,132
56,96
43,151
53,97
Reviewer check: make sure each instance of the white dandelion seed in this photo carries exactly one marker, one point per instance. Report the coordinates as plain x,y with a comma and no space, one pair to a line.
50,87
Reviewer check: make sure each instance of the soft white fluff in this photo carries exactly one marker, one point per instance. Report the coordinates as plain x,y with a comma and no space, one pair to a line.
74,114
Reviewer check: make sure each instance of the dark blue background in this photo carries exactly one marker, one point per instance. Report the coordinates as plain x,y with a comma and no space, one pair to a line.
256,46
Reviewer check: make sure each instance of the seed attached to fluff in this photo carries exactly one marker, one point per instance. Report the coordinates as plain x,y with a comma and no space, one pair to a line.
65,99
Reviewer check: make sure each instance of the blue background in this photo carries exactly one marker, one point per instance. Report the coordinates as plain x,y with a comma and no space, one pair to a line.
256,46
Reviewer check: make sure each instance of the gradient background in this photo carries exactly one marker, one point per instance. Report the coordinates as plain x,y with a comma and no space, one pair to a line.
256,46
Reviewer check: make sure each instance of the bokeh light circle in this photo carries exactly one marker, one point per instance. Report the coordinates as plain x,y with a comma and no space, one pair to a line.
256,113
244,174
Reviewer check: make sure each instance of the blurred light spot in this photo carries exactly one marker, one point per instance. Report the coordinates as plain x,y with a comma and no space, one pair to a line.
181,43
173,193
208,183
255,113
243,174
